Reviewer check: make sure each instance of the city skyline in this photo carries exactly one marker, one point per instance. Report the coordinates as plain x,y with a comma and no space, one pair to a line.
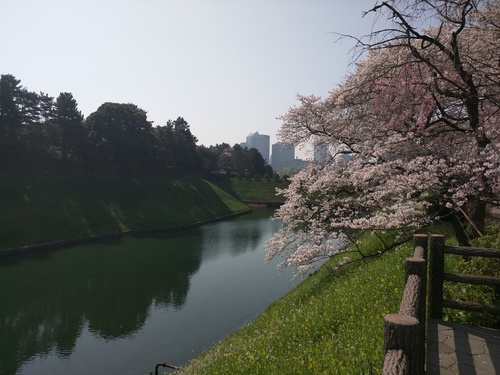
279,155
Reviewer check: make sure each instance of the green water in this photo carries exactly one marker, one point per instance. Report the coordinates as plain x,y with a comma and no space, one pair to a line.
124,305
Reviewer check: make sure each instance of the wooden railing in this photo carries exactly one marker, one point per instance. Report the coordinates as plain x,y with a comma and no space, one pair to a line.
437,276
404,333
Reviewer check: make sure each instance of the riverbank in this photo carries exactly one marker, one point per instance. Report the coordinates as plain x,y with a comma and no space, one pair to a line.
331,323
46,211
100,237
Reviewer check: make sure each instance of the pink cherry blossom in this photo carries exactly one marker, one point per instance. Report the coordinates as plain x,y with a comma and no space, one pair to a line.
420,118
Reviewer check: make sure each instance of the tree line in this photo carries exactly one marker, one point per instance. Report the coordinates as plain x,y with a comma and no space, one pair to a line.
40,134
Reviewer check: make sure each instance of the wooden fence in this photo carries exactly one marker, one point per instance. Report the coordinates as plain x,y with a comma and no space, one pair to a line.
405,332
437,276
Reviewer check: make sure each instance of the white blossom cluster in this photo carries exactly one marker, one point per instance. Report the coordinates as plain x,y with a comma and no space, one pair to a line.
420,119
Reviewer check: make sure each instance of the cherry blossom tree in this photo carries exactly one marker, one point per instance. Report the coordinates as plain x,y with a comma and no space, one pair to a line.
420,120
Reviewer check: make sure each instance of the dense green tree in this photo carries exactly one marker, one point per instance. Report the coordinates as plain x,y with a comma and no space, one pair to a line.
186,151
46,107
10,92
28,141
19,106
215,158
175,149
50,134
120,139
164,153
258,165
239,160
72,136
208,158
66,109
28,105
10,120
226,160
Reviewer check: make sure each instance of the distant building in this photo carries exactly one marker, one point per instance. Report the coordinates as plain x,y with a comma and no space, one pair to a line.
282,156
260,142
321,153
299,163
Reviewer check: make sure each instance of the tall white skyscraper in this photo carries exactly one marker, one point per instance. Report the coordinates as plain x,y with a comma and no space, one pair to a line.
261,142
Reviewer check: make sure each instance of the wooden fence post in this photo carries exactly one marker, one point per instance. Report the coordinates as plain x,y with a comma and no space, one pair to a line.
404,333
422,240
400,344
436,276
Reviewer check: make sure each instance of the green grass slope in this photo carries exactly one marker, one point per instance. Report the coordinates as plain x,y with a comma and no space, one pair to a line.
39,209
257,190
331,323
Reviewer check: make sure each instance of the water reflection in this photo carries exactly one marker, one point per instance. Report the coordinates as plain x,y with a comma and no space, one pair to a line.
233,239
52,301
47,299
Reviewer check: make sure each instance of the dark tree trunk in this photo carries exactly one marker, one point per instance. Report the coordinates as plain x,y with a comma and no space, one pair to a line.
476,211
458,228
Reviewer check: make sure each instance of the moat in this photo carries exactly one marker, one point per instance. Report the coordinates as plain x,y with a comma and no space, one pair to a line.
124,305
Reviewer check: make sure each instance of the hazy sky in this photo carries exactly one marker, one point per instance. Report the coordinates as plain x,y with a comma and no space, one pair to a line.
229,67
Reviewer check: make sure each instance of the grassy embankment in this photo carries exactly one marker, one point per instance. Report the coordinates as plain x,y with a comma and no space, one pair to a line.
40,209
250,190
331,323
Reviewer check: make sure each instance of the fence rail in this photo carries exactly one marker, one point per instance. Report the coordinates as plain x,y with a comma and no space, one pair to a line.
437,276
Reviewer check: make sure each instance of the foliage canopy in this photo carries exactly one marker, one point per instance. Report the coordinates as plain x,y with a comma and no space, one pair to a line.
41,135
419,119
